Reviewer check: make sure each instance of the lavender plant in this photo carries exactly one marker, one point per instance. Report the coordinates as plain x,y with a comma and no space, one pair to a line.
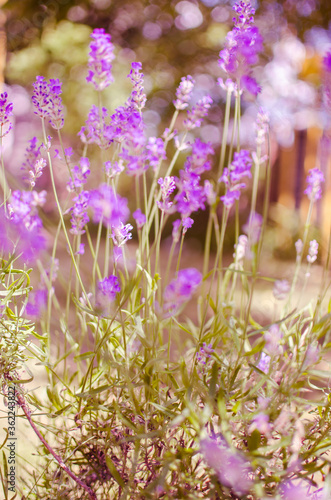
161,382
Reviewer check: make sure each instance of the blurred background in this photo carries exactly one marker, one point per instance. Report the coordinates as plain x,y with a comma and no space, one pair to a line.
173,39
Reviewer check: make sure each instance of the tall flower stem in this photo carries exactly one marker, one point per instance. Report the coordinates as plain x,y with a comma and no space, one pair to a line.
61,215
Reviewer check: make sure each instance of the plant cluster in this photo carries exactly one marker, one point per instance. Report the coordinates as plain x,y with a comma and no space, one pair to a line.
144,401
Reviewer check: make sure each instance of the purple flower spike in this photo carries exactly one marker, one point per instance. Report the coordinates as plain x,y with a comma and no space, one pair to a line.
314,180
121,234
232,176
231,467
242,46
138,97
168,185
36,305
204,353
16,238
107,290
79,213
47,101
80,174
198,112
107,206
101,56
155,151
181,289
184,92
6,110
139,217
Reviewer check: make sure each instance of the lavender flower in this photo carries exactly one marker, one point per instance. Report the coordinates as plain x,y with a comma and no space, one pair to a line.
231,467
113,169
293,492
155,151
79,174
198,161
6,110
242,46
16,238
281,289
36,304
314,180
100,58
121,234
187,223
197,113
261,423
232,176
138,97
264,362
168,185
312,252
34,164
79,213
107,289
184,92
107,206
47,101
23,207
181,289
204,353
139,217
273,339
191,196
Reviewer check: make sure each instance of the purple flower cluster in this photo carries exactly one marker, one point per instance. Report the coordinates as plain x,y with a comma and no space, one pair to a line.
6,110
121,234
242,46
198,160
314,180
23,208
79,174
34,164
184,92
155,152
16,238
138,97
139,217
107,289
204,353
232,176
100,58
196,115
168,185
47,101
191,195
181,289
108,206
230,466
79,215
36,304
125,127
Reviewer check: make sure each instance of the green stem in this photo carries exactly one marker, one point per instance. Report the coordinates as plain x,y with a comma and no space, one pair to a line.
61,215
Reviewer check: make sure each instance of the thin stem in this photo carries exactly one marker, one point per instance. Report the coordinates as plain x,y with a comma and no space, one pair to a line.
61,215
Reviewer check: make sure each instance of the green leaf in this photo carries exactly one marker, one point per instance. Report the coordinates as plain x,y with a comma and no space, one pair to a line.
114,472
93,392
